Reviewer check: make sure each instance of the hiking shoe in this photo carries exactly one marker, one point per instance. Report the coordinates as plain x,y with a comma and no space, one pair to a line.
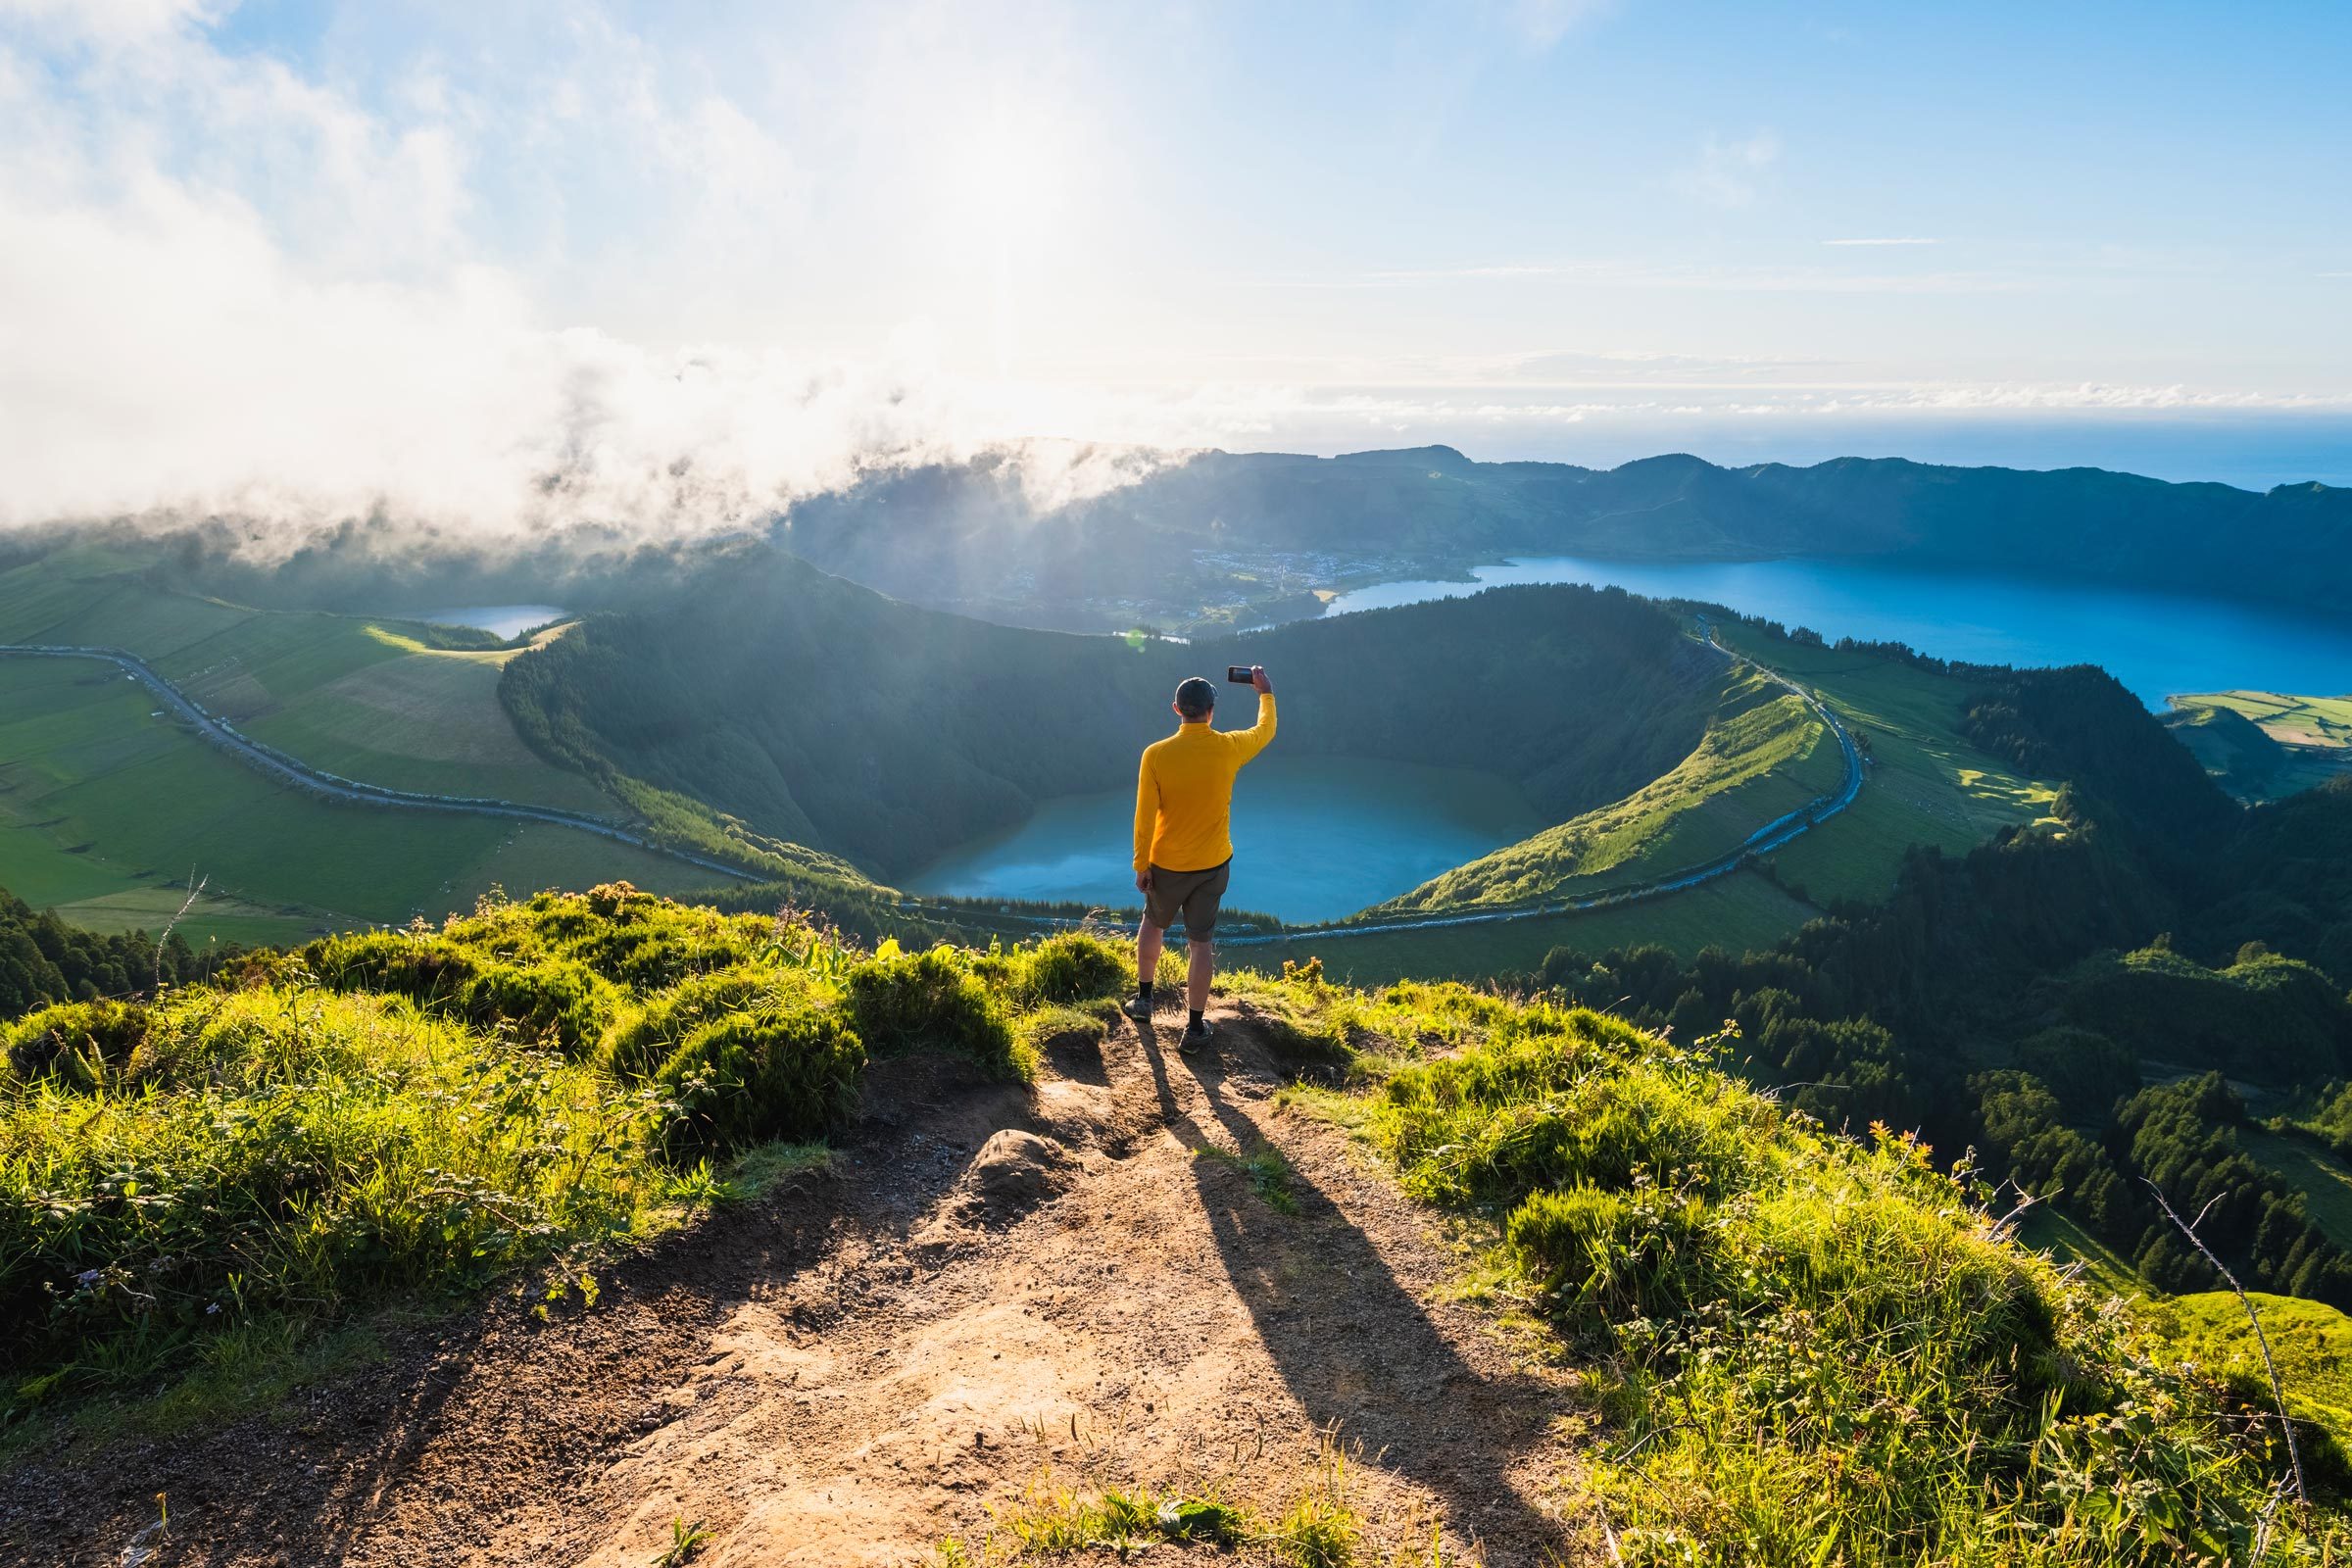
1137,1006
1196,1035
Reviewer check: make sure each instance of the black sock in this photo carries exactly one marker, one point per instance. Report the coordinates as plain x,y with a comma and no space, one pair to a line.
1196,1017
1142,990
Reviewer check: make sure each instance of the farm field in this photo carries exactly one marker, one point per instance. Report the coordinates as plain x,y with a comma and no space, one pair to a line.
2319,723
108,812
366,700
2309,739
1927,785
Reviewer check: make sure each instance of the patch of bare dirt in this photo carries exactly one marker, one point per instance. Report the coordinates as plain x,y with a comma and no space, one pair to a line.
1084,1281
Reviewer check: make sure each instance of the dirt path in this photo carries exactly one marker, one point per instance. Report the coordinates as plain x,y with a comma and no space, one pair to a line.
1083,1283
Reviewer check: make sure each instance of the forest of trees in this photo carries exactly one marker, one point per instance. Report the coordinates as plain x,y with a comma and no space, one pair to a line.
2075,1005
43,959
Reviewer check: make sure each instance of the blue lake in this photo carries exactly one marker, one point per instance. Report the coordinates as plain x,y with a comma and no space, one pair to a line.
2156,644
1314,839
500,620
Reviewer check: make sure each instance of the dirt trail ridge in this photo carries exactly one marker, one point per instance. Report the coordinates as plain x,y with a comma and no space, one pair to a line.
992,1284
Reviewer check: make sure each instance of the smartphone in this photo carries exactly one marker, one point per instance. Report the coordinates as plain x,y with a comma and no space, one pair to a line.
1240,674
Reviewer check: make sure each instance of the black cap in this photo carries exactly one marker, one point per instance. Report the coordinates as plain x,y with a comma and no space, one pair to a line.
1195,697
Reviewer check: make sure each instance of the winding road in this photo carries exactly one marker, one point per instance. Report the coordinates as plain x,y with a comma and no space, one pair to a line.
316,781
257,754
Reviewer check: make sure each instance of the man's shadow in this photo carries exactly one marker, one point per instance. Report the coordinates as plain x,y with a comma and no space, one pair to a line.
1354,1347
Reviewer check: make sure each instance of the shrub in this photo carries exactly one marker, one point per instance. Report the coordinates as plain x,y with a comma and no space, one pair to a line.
1604,1253
931,1001
786,1072
639,1045
558,1003
428,970
84,1044
294,1152
1074,966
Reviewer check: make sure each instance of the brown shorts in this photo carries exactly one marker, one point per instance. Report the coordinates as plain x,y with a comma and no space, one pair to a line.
1195,895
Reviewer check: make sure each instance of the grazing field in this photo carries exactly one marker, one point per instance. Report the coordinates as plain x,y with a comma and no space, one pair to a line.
108,812
364,700
1926,783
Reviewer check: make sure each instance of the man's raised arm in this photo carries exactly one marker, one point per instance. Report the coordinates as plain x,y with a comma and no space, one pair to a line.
1252,740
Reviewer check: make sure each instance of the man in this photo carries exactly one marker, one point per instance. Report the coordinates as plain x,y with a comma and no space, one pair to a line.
1184,840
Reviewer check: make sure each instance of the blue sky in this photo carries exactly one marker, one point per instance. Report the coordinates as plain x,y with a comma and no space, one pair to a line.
479,240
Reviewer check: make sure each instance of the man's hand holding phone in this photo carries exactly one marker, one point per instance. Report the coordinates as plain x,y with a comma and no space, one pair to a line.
1249,675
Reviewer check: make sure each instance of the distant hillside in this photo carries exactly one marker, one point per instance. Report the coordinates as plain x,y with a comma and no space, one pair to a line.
825,715
1258,529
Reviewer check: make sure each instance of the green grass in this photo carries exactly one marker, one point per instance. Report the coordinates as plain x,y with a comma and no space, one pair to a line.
2311,1344
105,812
1809,1349
1926,784
2099,1265
193,1192
1763,756
346,694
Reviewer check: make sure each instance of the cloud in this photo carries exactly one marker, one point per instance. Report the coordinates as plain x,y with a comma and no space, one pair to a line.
1541,23
234,291
1906,240
105,22
1729,174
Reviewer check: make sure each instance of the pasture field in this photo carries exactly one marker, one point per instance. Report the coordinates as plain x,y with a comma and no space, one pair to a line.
1763,756
2310,739
2318,723
108,812
348,695
1928,784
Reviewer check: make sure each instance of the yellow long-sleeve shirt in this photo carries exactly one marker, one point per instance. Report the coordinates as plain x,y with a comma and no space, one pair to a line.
1183,792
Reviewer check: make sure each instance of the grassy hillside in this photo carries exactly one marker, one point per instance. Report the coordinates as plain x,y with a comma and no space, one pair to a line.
1800,1347
1928,784
108,812
1763,756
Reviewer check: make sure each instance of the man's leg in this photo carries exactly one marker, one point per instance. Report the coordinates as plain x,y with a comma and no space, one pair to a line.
1205,964
1147,940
